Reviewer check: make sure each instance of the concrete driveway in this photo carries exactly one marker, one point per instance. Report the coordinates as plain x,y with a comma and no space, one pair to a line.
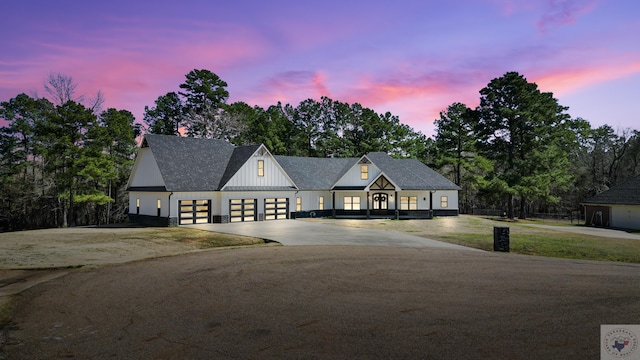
295,232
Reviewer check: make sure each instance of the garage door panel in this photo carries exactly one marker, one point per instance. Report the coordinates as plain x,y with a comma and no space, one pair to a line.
242,210
194,212
276,208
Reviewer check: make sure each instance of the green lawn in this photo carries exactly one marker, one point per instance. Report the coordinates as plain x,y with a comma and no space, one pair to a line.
477,232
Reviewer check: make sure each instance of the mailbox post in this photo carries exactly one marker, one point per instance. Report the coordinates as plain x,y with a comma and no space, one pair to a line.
501,238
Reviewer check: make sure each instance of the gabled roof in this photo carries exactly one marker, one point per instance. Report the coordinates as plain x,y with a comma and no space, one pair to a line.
627,193
193,164
189,164
240,156
410,174
315,173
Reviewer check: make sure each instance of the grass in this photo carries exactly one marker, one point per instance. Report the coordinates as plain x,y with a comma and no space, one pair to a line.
477,232
207,239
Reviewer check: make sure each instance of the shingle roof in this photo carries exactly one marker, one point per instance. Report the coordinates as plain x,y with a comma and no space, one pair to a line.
238,158
190,164
315,173
410,174
627,193
193,164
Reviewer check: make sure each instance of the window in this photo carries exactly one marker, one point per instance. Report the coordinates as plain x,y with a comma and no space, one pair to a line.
352,202
138,206
260,168
444,201
159,206
408,203
298,204
321,203
364,172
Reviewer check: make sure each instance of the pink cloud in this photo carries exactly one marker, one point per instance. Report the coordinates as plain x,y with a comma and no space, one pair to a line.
569,80
292,87
563,12
133,66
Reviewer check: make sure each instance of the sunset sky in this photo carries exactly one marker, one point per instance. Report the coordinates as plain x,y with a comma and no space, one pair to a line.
412,58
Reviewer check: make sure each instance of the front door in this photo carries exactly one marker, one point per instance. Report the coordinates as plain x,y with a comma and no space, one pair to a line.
380,201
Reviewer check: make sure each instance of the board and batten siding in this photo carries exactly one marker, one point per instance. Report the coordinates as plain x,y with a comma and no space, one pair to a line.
248,174
146,171
352,177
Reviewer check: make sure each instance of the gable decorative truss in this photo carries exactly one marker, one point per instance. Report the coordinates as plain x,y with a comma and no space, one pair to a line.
382,182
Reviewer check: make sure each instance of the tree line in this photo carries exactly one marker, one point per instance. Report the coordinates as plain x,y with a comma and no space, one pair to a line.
520,151
66,162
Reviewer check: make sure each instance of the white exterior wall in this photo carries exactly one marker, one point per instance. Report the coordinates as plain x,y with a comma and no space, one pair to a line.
311,200
248,174
452,199
149,203
423,198
627,217
146,171
352,177
341,194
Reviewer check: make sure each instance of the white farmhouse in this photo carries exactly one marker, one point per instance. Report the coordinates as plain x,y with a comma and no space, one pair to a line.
179,180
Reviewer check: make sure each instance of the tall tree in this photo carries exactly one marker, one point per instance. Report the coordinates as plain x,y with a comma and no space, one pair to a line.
455,138
109,151
62,89
205,97
517,129
167,116
22,185
61,141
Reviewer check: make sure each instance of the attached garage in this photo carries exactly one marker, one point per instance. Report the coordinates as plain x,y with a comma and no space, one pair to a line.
194,212
276,208
243,210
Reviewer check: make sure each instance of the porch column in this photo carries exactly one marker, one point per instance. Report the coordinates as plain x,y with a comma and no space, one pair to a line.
430,200
397,199
368,212
333,204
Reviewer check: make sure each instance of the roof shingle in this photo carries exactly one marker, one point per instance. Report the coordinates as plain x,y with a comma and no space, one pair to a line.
627,193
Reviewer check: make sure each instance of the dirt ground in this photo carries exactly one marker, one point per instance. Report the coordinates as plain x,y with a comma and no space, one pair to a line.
312,302
328,302
85,246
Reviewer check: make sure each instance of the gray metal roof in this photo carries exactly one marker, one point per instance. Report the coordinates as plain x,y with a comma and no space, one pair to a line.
410,174
189,164
315,173
627,193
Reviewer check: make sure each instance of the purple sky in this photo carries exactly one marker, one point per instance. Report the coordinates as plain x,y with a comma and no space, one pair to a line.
412,58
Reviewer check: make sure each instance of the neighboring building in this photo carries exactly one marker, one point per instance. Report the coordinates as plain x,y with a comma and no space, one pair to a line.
618,207
178,181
